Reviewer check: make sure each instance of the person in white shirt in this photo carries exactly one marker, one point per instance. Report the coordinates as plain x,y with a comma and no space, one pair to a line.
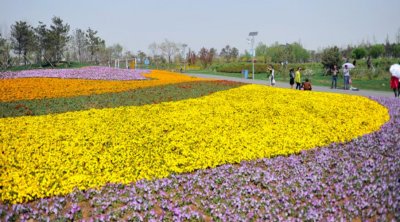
346,76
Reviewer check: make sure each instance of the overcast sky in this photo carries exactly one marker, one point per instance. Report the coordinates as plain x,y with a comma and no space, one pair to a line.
215,23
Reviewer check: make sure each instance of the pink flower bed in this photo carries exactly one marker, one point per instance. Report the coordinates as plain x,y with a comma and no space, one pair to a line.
90,72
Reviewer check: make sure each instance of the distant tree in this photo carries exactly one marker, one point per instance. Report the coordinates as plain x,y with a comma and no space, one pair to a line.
41,34
377,50
246,56
57,38
5,58
80,43
234,53
169,50
388,47
330,56
22,39
155,52
94,44
397,37
211,54
276,52
117,51
204,57
359,53
192,57
262,51
141,55
296,53
346,53
396,50
226,53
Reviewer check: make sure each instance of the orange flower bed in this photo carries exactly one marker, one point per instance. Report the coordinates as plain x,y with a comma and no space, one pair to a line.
39,88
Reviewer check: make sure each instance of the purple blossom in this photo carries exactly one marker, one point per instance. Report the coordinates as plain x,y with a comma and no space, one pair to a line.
89,72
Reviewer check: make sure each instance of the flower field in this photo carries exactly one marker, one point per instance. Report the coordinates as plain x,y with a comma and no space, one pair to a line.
40,88
89,72
197,150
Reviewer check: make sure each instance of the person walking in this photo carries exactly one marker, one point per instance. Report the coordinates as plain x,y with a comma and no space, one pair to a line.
291,78
346,76
334,72
272,76
297,78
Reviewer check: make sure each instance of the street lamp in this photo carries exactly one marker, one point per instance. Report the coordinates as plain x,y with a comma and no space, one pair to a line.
253,52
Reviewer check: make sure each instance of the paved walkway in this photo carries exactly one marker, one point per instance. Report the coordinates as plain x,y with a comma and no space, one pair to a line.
286,85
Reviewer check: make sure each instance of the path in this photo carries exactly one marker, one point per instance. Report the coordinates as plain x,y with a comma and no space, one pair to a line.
286,85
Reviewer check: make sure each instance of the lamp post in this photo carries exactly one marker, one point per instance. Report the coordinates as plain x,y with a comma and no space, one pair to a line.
253,52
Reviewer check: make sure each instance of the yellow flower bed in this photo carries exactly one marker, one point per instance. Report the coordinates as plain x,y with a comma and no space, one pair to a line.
38,88
50,155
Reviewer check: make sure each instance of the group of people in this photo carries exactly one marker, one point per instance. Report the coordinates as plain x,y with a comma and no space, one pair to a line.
293,77
346,77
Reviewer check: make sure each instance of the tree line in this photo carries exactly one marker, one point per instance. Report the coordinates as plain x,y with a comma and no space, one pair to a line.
54,44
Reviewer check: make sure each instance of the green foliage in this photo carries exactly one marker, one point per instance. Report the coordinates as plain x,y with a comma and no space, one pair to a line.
280,53
396,50
238,67
137,97
22,39
331,56
377,50
229,54
94,44
359,53
5,58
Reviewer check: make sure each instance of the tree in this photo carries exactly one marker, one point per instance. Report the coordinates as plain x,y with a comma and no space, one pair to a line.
141,55
41,34
262,51
5,58
246,56
169,50
117,51
277,52
57,38
154,49
331,56
203,57
296,53
397,37
377,50
206,56
234,53
192,57
94,43
22,39
80,43
359,53
211,54
226,53
396,50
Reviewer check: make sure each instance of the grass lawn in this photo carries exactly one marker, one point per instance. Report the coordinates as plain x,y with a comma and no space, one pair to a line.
316,79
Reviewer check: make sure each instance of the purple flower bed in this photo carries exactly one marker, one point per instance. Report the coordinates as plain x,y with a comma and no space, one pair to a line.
90,72
359,180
